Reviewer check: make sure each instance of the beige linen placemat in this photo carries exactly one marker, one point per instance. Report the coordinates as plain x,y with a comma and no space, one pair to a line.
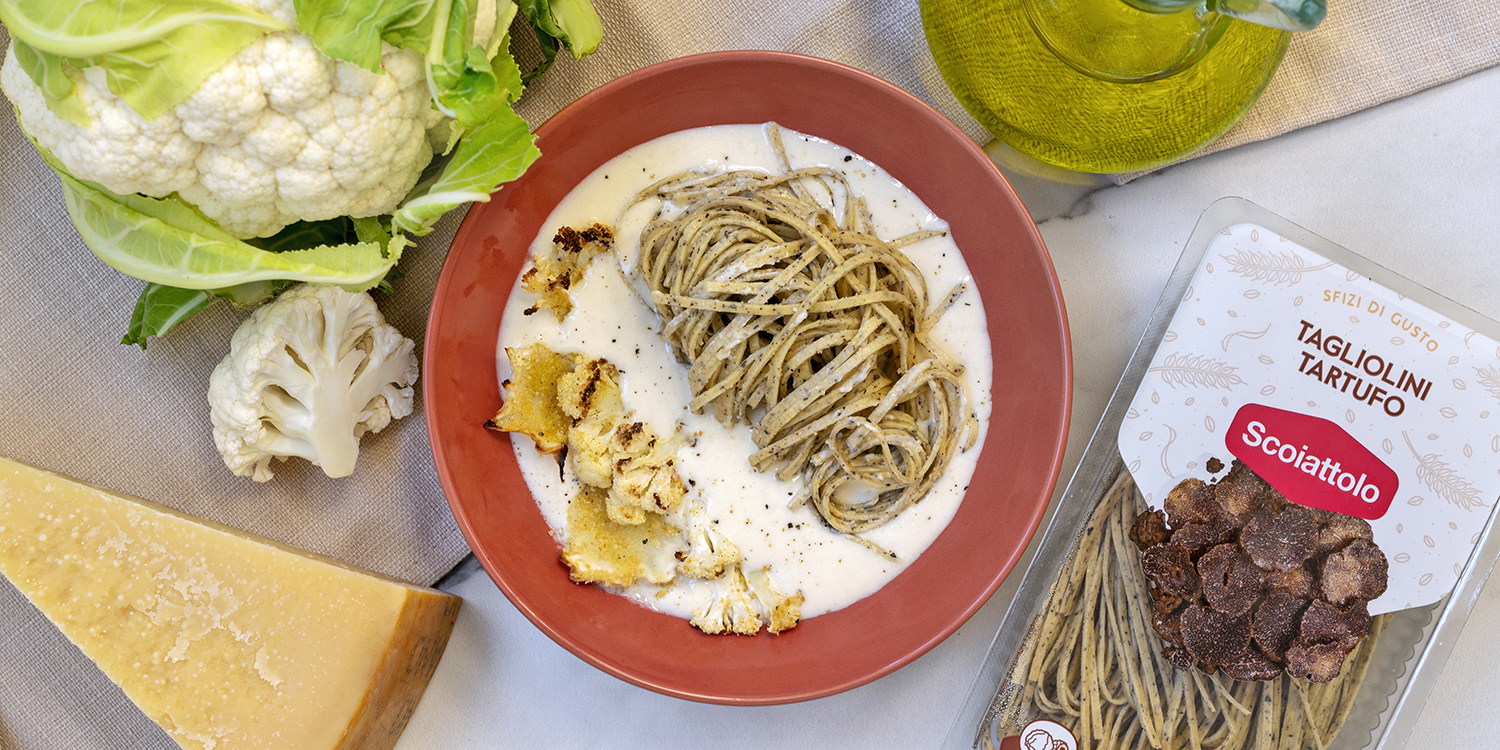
74,401
1365,53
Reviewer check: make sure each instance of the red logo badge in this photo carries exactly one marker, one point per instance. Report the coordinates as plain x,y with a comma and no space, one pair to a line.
1312,461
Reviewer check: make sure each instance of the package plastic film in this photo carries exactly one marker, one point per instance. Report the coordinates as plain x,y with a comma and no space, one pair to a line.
1362,403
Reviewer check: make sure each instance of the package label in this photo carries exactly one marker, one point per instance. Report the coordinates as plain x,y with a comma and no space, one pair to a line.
1341,393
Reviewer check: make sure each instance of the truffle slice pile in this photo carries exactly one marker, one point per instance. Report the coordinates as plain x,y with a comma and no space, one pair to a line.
1245,581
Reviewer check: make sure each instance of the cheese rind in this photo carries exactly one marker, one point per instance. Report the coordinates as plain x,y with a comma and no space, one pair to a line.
227,640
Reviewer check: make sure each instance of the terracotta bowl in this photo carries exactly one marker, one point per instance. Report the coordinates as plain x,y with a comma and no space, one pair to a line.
1017,468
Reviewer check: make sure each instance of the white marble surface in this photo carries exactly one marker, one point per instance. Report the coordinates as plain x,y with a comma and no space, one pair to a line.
1413,184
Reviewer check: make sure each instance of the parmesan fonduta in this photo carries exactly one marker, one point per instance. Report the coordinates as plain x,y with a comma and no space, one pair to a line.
750,508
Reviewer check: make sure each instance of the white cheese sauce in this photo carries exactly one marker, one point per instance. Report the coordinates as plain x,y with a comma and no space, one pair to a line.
750,508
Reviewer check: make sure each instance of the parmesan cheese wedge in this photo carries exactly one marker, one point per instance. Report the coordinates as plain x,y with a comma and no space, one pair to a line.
226,640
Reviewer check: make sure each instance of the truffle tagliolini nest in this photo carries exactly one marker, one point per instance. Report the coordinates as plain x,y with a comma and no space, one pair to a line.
1247,582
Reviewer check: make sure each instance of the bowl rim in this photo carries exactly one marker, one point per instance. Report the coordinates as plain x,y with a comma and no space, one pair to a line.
433,390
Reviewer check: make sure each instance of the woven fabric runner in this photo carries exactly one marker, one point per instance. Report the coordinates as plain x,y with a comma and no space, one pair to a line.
77,402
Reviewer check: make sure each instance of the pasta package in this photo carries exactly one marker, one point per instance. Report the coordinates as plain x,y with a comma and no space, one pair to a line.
1261,546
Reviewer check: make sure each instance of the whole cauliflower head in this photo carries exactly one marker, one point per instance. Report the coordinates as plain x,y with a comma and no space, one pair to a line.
308,375
281,133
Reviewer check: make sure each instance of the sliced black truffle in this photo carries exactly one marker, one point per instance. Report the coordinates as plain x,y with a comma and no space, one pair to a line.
1214,639
1197,538
1336,530
1296,582
1178,656
1255,585
1172,569
1231,582
1276,624
1358,571
1325,623
1241,492
1253,666
1280,540
1150,529
1163,602
1192,501
1319,662
1168,624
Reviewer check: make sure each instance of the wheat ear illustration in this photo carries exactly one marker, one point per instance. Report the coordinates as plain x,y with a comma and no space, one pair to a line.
1273,268
1442,479
1197,370
1489,378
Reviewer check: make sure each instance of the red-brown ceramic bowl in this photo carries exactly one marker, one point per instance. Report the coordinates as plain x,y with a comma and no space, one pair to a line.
1022,451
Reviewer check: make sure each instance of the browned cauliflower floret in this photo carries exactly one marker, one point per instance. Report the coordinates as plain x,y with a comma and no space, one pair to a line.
707,555
731,609
618,531
612,451
780,611
645,474
590,395
552,276
741,603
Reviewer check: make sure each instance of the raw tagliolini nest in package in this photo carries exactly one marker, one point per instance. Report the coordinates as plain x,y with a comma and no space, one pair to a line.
1199,647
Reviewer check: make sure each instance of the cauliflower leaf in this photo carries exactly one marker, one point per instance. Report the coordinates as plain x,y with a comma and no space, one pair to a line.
562,23
164,241
497,151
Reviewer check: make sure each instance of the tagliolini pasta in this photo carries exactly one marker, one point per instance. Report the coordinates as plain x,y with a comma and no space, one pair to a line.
812,329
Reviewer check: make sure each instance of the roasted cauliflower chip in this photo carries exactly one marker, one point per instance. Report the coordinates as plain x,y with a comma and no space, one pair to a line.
531,406
599,550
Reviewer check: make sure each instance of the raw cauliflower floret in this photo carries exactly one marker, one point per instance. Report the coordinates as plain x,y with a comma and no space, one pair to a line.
280,133
308,375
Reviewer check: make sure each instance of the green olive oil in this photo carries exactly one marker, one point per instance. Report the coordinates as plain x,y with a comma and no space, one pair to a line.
1027,95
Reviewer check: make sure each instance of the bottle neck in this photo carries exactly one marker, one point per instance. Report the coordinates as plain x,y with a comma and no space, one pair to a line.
1126,41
